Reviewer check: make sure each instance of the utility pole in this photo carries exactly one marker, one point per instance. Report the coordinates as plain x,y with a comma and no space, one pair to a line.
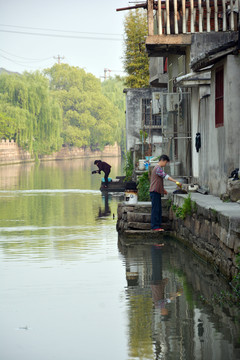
59,58
105,73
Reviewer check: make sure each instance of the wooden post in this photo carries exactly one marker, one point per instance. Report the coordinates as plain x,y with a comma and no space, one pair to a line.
167,15
175,17
192,16
215,15
200,16
184,16
231,15
150,17
160,17
208,16
224,15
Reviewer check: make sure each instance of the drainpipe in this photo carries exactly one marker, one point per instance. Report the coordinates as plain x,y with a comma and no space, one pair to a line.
238,25
239,34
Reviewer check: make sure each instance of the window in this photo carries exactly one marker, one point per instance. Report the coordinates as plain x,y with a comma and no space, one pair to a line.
146,111
219,98
146,114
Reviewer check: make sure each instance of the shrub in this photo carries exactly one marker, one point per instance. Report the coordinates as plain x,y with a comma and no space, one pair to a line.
143,187
128,167
188,208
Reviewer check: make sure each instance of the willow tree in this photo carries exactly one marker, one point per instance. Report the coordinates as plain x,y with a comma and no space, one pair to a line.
7,128
34,115
136,61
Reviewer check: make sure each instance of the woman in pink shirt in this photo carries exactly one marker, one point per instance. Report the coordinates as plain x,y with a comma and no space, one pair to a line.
157,191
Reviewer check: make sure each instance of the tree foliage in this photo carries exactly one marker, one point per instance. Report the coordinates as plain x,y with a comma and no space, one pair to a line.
113,90
63,105
28,112
136,62
90,118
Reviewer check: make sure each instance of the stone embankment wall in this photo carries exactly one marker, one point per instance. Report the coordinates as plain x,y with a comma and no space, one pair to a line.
11,153
212,231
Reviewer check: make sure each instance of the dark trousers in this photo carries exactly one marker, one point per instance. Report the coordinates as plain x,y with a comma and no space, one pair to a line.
106,178
156,214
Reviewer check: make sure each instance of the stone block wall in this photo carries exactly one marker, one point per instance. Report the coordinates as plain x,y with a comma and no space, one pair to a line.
212,231
213,235
10,152
75,153
138,216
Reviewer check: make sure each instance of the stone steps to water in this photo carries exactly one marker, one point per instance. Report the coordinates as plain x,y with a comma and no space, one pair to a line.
143,237
134,224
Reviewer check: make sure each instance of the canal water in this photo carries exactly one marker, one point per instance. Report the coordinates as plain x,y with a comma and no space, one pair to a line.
70,291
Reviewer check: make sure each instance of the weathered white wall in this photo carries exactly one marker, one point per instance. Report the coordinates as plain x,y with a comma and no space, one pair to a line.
220,151
232,111
134,117
199,112
194,129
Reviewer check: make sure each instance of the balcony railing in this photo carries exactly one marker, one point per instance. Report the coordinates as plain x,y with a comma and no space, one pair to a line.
173,17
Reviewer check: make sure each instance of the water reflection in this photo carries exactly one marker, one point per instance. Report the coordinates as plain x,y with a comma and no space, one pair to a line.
171,310
158,284
69,292
104,209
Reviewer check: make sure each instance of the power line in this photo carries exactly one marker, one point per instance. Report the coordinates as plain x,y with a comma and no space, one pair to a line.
18,62
59,30
60,36
24,58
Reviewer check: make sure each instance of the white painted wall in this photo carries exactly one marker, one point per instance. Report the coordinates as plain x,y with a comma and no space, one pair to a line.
220,151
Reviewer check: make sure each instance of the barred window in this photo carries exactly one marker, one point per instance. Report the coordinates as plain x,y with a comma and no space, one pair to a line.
146,114
146,111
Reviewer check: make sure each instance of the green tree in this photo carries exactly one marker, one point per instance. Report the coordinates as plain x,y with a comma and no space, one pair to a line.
89,117
113,90
29,114
7,128
136,62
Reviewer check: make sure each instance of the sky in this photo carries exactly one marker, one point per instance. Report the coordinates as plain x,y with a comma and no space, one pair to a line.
34,35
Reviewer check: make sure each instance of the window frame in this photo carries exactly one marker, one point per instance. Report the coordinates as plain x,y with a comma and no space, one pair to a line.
149,119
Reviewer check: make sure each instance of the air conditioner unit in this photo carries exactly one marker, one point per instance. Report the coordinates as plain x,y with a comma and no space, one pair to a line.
172,102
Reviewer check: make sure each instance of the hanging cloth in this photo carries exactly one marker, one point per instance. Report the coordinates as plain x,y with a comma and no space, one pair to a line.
198,141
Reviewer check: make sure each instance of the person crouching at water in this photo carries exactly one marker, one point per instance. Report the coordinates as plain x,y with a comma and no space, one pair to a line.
102,166
157,191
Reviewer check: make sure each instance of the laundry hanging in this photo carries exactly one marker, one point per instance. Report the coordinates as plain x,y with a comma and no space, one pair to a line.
198,141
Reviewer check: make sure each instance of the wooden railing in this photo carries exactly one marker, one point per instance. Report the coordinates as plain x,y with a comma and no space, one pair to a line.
191,16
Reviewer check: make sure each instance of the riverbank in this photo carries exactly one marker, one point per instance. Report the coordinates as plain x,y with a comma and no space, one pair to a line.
11,153
212,231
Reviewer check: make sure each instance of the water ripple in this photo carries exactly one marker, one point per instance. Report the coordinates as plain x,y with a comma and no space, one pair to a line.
47,191
37,228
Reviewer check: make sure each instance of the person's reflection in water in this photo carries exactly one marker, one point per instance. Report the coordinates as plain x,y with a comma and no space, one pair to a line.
106,211
158,283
